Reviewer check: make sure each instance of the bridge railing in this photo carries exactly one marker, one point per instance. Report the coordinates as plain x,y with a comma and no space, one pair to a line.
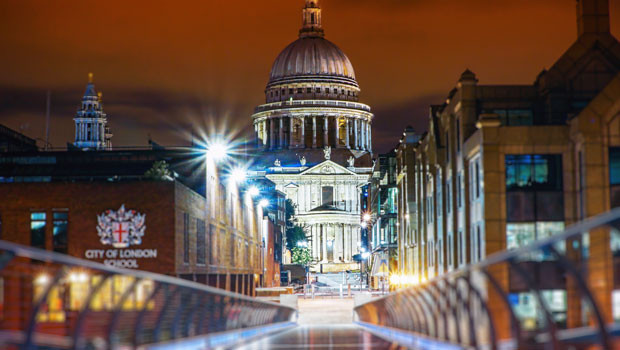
50,300
556,293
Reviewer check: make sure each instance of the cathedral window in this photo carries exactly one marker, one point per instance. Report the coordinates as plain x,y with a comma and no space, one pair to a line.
328,195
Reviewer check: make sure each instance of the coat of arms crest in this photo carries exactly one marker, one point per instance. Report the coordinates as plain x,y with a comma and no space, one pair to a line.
121,228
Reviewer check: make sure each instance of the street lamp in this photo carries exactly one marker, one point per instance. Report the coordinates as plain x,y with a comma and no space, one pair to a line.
263,203
366,217
217,150
254,191
237,175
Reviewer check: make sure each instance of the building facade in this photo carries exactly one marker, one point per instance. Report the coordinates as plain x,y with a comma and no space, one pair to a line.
504,165
383,211
315,140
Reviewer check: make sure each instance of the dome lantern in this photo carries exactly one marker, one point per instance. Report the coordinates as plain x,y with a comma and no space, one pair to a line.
311,20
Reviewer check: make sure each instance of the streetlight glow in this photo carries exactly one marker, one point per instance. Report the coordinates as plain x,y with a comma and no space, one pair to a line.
366,217
364,224
263,203
217,150
254,191
238,175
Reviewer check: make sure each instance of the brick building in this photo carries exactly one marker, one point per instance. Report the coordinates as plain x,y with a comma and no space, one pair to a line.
504,165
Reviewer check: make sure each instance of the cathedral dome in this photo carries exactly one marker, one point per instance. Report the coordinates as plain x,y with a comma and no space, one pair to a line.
311,56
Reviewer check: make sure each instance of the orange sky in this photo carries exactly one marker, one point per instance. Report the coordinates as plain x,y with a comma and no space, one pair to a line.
165,67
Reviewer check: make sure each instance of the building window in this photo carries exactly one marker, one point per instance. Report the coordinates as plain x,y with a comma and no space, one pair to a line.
290,91
186,238
533,172
213,241
614,177
515,117
449,196
318,90
201,242
328,195
525,233
450,250
459,195
309,90
37,230
477,177
458,135
60,234
299,90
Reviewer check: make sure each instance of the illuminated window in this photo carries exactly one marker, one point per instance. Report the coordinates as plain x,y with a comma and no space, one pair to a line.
37,230
59,233
52,309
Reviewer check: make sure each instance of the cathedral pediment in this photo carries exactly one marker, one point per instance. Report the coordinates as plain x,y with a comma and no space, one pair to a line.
328,168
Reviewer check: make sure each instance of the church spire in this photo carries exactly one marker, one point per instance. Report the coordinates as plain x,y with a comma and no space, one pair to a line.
311,19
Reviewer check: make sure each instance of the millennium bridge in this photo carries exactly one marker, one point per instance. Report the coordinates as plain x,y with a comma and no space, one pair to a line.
53,301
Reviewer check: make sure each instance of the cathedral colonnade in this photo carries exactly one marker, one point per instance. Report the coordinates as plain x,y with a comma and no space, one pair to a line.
331,241
314,131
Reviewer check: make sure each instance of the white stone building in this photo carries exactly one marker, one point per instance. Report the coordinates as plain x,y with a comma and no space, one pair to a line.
315,140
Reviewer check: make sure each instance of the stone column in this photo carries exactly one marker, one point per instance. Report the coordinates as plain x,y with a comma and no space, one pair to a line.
272,131
324,242
325,132
313,131
363,134
369,137
339,243
303,132
336,132
281,145
290,132
346,140
355,134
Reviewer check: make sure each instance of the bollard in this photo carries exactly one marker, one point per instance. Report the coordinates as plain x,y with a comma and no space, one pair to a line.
312,290
341,291
349,288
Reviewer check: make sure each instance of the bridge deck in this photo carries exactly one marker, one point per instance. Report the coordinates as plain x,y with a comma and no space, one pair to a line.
338,336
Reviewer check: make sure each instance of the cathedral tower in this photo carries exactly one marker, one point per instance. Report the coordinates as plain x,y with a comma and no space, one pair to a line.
91,130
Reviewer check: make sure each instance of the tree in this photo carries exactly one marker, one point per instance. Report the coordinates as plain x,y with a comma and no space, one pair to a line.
294,232
159,172
301,256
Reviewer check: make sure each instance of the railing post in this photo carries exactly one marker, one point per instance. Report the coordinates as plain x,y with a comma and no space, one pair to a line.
138,328
483,304
572,270
551,326
117,311
82,314
35,309
514,322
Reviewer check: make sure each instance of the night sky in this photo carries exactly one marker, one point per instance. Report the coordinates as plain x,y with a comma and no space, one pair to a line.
169,67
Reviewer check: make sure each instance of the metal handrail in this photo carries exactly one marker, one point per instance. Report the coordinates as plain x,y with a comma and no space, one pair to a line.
510,261
120,312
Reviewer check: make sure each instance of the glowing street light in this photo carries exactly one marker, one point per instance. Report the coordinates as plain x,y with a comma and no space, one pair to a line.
238,175
254,191
263,203
366,217
364,224
217,150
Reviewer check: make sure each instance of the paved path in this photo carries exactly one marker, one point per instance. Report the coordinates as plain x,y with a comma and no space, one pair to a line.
325,311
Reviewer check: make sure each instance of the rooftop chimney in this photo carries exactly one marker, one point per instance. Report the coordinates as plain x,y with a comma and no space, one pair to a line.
592,17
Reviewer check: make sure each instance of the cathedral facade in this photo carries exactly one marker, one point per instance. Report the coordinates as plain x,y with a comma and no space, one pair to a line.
315,140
